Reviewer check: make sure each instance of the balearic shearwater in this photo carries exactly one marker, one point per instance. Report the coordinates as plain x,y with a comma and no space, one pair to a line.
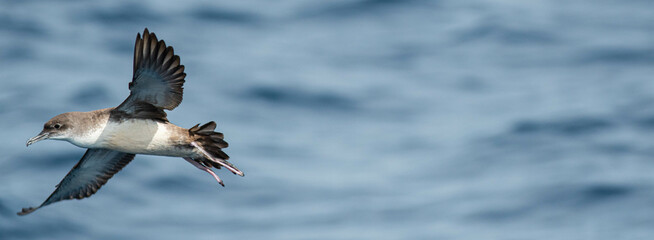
137,126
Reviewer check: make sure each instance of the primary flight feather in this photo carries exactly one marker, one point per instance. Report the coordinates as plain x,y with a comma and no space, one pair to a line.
139,125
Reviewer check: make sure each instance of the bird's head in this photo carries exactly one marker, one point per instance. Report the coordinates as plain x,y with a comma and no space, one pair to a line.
59,127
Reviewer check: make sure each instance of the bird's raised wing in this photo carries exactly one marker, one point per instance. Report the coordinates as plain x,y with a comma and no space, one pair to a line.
87,176
157,82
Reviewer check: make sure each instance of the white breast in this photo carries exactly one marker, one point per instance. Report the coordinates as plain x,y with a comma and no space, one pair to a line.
89,138
132,136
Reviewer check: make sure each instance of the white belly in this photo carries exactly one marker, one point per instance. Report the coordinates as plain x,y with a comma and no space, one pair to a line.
138,136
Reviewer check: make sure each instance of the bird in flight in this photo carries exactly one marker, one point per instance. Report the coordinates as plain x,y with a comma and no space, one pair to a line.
113,136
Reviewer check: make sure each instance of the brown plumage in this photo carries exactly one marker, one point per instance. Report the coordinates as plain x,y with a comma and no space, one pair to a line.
211,141
138,125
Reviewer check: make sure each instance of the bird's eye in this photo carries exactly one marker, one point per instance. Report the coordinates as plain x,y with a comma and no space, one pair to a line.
57,126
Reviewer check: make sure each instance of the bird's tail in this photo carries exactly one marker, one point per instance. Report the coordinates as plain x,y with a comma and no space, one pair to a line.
211,143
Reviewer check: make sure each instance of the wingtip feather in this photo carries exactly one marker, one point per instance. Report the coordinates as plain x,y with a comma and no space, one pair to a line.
27,210
154,56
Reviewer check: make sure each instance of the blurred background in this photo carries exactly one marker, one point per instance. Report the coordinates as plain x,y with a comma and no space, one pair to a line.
352,119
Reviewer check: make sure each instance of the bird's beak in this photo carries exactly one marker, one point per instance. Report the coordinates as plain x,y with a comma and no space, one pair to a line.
41,136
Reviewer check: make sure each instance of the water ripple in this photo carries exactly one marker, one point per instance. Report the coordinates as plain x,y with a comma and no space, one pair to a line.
300,98
572,126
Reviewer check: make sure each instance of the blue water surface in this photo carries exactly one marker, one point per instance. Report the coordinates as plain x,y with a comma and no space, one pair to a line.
352,119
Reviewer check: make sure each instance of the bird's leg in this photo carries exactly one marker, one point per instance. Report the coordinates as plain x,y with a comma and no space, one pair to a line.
206,169
217,160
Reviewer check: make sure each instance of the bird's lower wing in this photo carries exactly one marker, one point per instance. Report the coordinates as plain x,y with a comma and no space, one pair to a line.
95,168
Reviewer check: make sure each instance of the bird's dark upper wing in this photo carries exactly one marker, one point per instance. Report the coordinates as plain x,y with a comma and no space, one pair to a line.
158,80
87,176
